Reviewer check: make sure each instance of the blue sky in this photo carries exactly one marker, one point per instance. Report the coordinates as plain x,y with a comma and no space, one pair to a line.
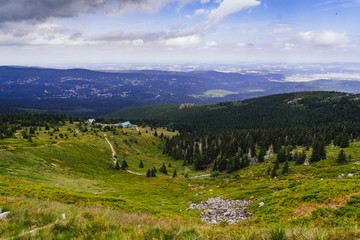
50,32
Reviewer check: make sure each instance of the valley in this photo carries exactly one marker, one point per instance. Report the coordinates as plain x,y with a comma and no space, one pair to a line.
83,92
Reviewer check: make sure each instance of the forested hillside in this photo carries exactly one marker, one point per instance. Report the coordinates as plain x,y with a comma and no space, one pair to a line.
303,109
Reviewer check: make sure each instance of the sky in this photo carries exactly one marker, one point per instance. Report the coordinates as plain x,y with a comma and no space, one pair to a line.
53,32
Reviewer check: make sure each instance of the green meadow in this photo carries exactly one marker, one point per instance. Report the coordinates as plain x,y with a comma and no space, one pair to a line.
72,172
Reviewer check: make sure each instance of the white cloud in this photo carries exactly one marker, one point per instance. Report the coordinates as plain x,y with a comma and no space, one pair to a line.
325,38
281,30
184,42
228,7
288,46
138,42
204,1
208,45
200,12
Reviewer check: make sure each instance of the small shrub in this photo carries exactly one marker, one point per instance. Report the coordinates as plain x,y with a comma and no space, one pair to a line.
277,233
223,224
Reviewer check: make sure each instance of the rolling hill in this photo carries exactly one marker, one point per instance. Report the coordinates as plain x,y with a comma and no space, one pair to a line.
84,92
58,178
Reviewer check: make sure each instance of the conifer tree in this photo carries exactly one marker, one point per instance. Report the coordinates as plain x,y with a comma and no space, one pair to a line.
273,172
319,152
141,164
276,164
174,174
222,165
344,141
124,165
117,166
155,134
153,174
169,165
262,153
285,168
341,157
268,172
163,169
215,167
148,173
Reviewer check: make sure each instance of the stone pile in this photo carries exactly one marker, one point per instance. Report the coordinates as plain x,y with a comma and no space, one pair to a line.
219,209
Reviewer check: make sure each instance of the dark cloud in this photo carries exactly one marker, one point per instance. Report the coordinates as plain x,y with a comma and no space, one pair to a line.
39,10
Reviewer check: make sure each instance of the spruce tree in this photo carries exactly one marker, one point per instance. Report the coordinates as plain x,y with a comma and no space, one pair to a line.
148,173
153,174
215,167
285,168
174,174
163,169
341,157
124,165
169,165
273,172
262,153
276,164
268,172
117,166
281,156
141,164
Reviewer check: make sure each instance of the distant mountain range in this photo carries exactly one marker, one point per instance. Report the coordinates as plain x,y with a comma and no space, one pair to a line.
95,93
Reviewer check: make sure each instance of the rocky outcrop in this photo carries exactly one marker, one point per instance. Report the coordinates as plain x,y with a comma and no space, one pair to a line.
220,209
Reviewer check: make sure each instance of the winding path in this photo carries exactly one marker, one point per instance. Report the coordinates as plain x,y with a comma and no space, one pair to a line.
114,159
112,149
199,176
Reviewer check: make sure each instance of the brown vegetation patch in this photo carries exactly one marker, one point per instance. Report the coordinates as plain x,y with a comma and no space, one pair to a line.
195,187
305,209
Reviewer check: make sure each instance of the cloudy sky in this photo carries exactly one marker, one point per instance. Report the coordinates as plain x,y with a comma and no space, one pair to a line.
46,32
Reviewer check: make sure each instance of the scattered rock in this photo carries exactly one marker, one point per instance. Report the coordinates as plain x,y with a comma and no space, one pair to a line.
341,175
261,204
356,162
350,174
200,193
3,215
219,209
251,197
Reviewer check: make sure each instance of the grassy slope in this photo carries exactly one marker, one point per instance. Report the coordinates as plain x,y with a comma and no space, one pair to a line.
44,178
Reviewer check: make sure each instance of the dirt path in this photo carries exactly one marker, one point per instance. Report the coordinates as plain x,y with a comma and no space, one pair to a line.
205,175
135,173
112,149
114,153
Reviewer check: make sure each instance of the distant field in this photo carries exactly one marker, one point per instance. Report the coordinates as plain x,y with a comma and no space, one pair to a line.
214,93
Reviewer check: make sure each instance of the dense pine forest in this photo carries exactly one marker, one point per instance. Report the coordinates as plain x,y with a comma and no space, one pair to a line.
232,151
303,109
